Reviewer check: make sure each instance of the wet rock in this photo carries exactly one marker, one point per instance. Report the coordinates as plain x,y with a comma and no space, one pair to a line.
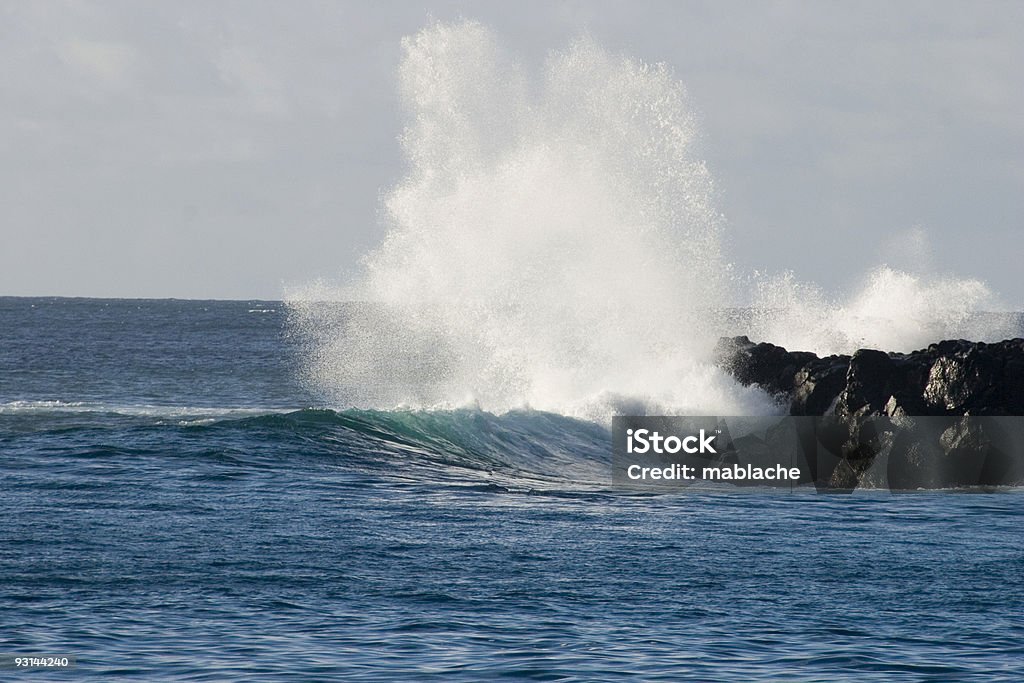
953,377
900,415
771,367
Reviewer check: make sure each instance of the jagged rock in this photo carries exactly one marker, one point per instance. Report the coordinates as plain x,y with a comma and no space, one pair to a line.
874,397
976,379
818,384
771,367
953,377
957,451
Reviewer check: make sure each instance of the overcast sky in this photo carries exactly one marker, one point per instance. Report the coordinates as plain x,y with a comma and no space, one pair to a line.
223,149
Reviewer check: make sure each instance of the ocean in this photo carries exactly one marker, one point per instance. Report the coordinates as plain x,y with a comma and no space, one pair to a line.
176,503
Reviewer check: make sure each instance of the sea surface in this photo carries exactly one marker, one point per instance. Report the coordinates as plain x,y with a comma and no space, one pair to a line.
175,505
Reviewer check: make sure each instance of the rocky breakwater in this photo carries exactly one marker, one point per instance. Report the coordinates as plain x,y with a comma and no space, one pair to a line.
950,415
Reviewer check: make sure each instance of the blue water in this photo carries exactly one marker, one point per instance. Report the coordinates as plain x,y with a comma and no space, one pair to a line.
175,506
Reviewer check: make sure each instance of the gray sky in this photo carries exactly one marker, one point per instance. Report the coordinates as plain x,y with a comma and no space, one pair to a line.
220,149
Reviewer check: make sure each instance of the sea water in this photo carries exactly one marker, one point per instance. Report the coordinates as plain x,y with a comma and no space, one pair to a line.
175,505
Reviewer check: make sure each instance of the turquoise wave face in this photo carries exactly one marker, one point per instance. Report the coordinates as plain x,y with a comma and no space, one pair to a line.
420,444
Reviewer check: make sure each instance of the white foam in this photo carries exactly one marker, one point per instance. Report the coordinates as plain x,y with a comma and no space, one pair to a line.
892,310
133,410
555,244
549,247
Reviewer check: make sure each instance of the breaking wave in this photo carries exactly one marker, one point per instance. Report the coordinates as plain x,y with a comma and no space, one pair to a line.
554,244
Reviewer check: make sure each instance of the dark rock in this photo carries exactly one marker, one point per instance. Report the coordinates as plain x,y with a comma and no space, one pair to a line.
953,377
817,385
976,379
771,367
942,452
875,398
